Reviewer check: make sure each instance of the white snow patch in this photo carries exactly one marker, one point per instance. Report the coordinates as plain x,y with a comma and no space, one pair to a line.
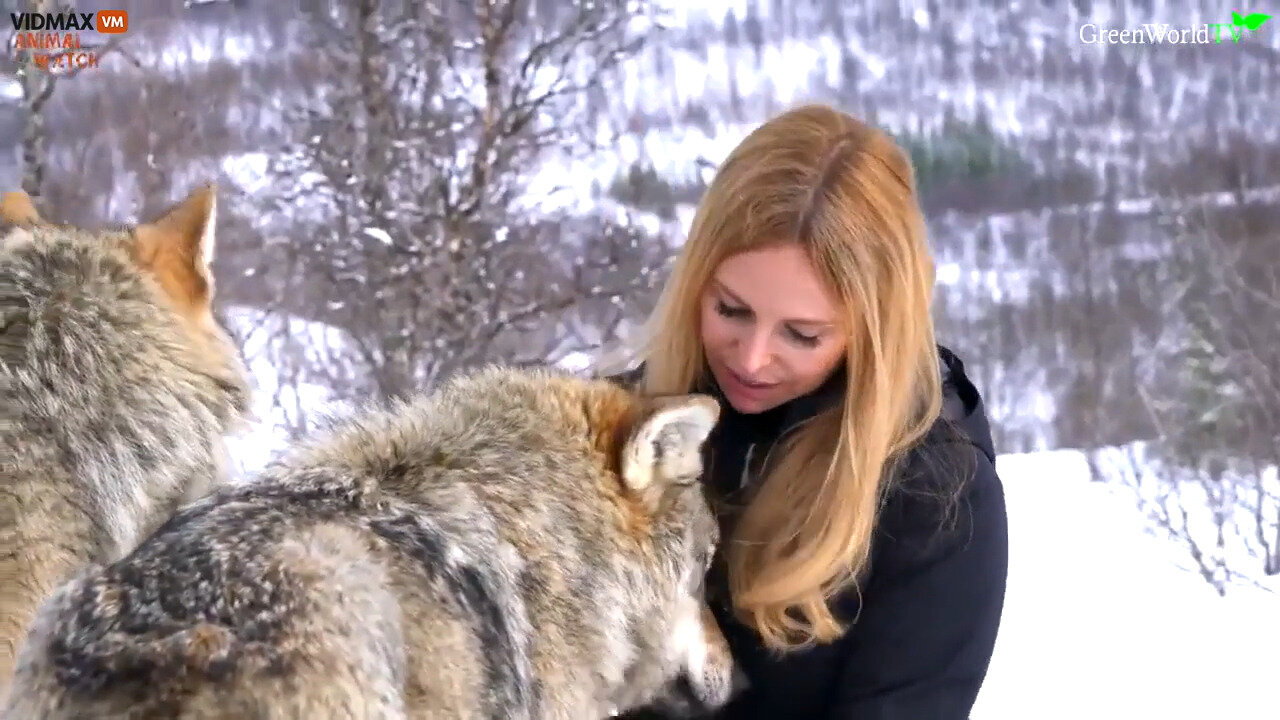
1101,622
248,170
379,234
575,362
276,403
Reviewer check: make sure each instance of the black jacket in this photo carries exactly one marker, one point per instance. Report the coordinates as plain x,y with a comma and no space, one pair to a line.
930,606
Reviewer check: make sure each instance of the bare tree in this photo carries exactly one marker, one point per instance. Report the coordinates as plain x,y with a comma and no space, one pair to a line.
402,210
1212,388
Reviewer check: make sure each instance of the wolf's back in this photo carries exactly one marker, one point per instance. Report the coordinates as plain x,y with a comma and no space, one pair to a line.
471,554
302,597
319,591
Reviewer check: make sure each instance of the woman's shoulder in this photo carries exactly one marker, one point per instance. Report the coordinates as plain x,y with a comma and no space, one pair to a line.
939,490
964,414
959,437
948,481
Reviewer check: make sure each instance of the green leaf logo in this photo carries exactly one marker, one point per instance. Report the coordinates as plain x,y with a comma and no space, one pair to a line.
1252,21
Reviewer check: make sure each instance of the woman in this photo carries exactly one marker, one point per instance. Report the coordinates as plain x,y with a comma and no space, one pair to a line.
863,567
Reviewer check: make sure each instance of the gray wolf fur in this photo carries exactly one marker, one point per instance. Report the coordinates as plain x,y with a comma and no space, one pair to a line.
519,544
116,388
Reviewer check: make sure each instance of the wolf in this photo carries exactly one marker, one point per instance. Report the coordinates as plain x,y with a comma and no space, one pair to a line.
117,388
518,543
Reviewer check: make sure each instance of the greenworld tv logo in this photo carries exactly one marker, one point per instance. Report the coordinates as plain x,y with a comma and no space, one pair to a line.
1164,33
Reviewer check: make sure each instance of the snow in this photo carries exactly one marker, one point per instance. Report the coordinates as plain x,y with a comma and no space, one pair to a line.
1245,498
276,404
874,64
576,362
379,234
249,171
1101,620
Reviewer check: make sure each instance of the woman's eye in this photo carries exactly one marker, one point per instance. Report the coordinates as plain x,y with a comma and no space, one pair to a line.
730,311
806,340
736,313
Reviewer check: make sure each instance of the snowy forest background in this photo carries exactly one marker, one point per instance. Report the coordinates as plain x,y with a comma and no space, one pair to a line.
411,188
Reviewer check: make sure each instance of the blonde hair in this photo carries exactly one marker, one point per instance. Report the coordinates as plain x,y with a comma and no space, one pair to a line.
845,192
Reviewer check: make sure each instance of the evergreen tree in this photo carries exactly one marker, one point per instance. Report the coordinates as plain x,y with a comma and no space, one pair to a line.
732,33
753,31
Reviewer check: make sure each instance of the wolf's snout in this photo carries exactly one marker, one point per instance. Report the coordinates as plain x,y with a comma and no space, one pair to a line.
687,697
716,686
710,678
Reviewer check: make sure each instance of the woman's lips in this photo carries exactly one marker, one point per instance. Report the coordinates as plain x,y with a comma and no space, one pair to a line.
744,387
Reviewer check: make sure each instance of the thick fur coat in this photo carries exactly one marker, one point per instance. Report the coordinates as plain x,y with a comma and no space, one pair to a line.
116,389
518,544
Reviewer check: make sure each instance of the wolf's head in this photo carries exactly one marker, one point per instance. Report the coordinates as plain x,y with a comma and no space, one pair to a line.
141,294
653,532
659,461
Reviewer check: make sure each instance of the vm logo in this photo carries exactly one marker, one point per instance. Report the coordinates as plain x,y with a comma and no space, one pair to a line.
113,21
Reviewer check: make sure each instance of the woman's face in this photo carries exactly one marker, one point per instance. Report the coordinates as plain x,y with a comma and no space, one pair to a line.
770,328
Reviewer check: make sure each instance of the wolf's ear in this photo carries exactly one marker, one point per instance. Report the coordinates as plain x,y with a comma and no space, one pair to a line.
185,230
664,446
178,248
16,209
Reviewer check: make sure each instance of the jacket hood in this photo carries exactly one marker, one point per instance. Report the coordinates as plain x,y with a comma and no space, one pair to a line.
962,404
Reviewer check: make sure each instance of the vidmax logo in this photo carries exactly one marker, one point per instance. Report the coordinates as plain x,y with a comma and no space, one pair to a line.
104,21
113,21
53,42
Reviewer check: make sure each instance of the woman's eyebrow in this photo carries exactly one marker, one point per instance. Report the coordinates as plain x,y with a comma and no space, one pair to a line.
818,324
732,295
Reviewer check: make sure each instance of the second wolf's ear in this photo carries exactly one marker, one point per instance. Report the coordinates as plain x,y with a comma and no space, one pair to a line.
16,208
664,446
178,248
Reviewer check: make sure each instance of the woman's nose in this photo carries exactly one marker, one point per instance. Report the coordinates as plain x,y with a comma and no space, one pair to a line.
753,353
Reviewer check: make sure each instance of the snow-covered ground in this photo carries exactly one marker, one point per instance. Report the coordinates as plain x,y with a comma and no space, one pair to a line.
1104,621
